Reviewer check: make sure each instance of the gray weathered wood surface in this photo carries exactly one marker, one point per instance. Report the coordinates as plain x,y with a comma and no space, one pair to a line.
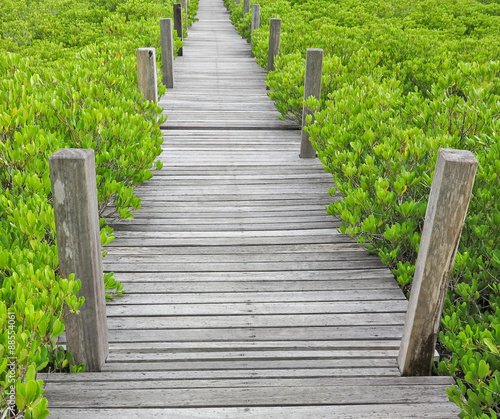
74,190
243,300
444,219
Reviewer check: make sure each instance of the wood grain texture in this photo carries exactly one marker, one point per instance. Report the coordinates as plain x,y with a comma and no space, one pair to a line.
446,210
243,300
366,411
74,190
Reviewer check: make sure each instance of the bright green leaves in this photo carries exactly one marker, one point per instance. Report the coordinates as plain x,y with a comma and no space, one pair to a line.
57,329
29,396
494,349
67,79
475,353
399,82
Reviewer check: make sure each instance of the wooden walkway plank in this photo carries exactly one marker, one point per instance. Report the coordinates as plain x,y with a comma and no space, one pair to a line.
243,300
373,411
249,396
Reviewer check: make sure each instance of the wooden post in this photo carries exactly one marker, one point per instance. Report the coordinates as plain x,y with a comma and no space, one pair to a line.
167,52
312,87
74,191
184,4
448,202
274,42
146,73
178,24
246,7
237,1
255,17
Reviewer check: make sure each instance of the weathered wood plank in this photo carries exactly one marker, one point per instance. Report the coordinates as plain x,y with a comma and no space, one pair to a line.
146,347
288,320
221,189
239,267
250,396
239,234
372,275
174,287
381,306
258,334
252,364
256,295
194,257
358,377
214,208
159,219
212,227
267,356
239,250
138,239
368,411
176,379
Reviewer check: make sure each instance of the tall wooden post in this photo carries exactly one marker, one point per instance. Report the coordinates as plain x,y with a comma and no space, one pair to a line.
446,210
246,7
178,24
312,87
274,42
184,4
255,17
167,52
74,191
146,73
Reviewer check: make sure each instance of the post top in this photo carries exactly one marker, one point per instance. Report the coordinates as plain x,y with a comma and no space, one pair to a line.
165,19
73,154
145,49
464,156
275,19
315,50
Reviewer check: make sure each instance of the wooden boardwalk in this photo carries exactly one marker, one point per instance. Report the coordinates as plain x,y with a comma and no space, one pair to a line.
243,300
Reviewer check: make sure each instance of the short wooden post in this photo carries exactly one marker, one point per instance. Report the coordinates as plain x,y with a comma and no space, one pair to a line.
246,7
146,73
312,87
167,52
178,24
274,42
237,1
446,210
184,4
74,191
255,17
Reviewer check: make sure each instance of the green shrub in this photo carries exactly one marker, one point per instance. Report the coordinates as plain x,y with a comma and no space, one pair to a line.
67,79
401,80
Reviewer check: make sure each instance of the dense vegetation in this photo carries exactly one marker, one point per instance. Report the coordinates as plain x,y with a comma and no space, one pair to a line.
67,79
402,79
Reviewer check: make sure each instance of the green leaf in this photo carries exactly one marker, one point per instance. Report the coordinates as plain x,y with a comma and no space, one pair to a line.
483,369
57,329
491,346
30,373
3,365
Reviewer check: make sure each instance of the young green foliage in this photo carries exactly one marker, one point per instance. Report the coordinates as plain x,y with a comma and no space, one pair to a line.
400,80
67,79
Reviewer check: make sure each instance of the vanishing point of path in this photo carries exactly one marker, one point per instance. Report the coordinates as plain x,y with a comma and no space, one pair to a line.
243,300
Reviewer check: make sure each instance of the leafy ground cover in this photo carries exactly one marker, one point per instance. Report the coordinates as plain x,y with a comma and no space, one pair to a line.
402,79
67,79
